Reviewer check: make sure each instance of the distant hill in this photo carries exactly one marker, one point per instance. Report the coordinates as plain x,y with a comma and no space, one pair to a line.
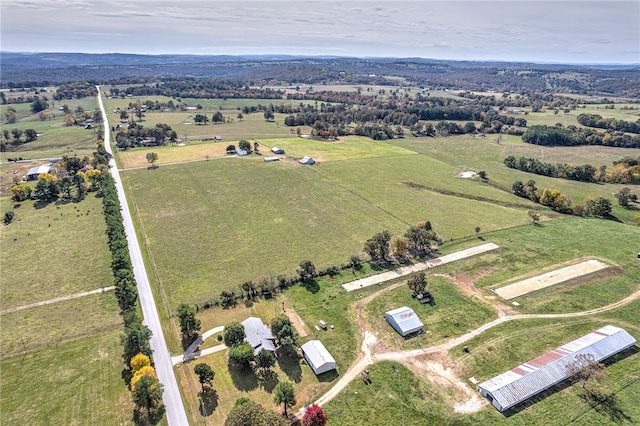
20,69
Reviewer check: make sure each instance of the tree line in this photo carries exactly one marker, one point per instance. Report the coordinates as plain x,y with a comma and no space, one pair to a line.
572,136
135,340
596,120
137,135
624,171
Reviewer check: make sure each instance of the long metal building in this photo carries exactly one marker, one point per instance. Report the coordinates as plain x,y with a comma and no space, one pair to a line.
526,380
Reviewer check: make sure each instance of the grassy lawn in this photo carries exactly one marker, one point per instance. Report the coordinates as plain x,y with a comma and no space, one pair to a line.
453,313
73,383
41,244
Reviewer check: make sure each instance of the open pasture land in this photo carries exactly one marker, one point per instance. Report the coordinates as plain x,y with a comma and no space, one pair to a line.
137,158
508,345
74,383
52,251
211,225
469,153
54,138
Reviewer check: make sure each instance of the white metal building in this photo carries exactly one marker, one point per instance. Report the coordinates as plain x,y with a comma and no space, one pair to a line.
318,357
33,172
526,380
404,320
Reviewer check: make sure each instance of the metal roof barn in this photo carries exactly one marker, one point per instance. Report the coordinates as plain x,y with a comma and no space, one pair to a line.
33,172
258,335
318,357
526,380
404,320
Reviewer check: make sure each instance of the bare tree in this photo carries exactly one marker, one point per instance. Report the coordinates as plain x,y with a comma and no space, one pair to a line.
586,369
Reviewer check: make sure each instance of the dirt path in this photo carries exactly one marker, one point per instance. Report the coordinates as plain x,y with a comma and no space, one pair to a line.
434,360
56,300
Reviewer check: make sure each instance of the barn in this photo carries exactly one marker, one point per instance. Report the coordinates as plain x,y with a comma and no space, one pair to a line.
258,335
521,383
318,357
277,150
33,172
404,320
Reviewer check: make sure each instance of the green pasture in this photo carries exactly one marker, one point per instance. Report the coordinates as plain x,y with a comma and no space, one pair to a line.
476,154
212,225
53,251
453,313
73,383
48,326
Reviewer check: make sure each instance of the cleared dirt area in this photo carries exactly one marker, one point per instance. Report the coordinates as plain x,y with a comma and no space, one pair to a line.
548,279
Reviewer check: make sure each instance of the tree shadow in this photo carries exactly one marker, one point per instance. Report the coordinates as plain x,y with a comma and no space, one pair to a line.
312,286
155,416
41,204
126,376
268,380
289,363
243,378
209,402
606,405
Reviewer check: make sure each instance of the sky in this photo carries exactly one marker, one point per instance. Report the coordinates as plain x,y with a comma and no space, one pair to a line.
561,31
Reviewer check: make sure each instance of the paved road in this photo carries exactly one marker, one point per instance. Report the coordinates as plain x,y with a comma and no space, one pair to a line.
176,415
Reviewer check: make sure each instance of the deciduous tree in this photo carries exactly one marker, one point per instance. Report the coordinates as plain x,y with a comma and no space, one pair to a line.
189,324
248,413
205,375
285,395
307,271
233,334
417,283
284,331
265,360
314,416
152,157
241,354
148,397
139,361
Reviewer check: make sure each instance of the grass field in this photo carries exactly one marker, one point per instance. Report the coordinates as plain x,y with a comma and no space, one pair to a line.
73,383
55,139
68,351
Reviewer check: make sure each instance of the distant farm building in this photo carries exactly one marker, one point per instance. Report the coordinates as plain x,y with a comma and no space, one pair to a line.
277,150
33,172
258,335
270,159
241,152
307,160
318,357
526,380
404,320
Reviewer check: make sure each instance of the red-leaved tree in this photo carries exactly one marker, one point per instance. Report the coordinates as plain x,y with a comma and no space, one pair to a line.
314,416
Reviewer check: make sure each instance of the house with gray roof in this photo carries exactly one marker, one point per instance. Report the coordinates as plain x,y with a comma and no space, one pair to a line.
258,335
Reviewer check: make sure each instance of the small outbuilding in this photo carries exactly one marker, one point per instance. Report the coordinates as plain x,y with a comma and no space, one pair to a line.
241,152
318,357
404,320
307,160
33,172
277,150
258,335
270,159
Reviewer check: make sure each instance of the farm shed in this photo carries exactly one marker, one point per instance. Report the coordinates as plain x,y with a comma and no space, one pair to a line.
526,380
404,320
33,172
277,150
318,357
258,335
270,159
241,152
307,160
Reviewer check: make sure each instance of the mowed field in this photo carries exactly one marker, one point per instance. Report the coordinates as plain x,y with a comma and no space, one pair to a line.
69,351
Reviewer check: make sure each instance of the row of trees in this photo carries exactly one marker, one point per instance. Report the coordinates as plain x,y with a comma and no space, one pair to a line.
622,172
596,120
571,136
135,340
550,197
138,135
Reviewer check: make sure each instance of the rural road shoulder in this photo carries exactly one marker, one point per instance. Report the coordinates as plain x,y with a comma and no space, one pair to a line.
176,414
